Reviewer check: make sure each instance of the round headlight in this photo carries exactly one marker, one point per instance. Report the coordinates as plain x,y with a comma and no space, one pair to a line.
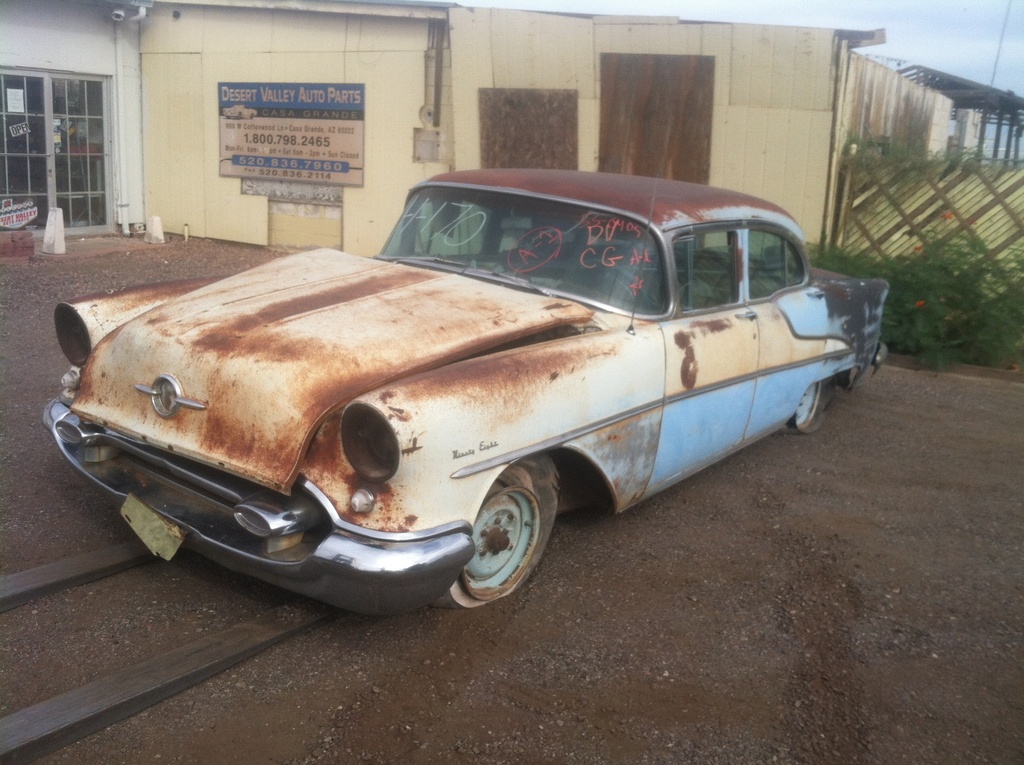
370,444
72,334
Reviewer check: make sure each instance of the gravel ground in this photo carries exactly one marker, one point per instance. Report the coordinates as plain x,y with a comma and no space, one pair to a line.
855,596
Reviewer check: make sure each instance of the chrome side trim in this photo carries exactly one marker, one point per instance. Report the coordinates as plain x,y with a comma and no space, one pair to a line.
550,443
515,454
761,373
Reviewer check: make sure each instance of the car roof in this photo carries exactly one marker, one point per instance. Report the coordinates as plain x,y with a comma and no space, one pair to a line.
665,202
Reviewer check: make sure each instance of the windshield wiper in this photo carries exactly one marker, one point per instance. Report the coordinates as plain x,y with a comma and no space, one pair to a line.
517,281
414,260
468,270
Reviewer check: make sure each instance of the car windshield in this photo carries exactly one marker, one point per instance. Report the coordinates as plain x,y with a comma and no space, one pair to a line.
599,256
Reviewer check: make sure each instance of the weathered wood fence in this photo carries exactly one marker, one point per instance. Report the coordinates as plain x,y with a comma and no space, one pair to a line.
893,208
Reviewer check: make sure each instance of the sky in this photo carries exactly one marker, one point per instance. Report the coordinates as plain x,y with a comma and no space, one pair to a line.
959,37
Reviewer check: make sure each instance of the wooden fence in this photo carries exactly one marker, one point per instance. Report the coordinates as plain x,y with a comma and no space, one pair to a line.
894,208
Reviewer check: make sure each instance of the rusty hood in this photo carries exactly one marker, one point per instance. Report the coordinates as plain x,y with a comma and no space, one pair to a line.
271,352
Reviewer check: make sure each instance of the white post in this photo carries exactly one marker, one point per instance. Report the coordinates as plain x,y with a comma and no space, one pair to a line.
154,230
53,238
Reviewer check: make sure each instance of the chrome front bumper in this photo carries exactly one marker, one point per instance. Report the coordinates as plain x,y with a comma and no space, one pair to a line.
336,562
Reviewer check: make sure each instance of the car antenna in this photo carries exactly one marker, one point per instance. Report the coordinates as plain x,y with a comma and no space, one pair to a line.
631,329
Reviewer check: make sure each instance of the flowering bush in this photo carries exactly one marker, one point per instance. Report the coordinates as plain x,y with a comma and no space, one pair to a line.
948,303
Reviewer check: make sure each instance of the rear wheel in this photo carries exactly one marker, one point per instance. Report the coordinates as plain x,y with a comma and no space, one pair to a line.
510,533
811,410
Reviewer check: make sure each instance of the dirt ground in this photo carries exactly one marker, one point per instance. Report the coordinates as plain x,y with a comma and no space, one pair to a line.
854,596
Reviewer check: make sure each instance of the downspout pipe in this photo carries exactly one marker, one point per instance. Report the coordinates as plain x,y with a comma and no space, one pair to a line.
121,205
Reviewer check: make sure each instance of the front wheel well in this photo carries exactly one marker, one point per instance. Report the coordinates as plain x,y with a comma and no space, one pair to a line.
582,484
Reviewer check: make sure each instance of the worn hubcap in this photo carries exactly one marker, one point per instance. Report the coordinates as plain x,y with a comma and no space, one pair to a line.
504,535
808,403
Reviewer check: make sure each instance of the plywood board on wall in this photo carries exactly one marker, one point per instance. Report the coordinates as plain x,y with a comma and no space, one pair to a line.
656,115
529,128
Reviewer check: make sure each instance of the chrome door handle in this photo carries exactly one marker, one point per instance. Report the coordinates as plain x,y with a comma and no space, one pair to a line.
748,315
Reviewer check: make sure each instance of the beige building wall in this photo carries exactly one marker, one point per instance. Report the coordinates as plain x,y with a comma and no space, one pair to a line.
772,122
773,102
189,47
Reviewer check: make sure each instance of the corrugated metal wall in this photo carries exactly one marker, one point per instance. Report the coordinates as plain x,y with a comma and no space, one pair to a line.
774,87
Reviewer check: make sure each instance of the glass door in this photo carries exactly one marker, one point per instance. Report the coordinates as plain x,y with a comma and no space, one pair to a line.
24,190
79,151
54,151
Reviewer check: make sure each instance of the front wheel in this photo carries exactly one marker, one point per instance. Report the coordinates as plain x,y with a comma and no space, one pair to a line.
510,533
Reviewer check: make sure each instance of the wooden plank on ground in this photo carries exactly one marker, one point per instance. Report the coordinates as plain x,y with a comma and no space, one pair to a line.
17,589
50,725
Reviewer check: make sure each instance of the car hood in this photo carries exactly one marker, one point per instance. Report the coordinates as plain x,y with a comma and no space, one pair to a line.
273,351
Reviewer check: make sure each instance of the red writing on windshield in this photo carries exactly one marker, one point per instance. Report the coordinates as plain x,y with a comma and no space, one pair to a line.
534,249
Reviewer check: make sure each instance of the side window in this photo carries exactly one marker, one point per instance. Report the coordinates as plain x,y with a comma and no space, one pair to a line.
706,269
773,264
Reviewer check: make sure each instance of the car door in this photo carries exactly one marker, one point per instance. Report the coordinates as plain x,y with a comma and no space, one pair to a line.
792,322
711,355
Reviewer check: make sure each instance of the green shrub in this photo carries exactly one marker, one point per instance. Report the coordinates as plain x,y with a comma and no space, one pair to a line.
948,303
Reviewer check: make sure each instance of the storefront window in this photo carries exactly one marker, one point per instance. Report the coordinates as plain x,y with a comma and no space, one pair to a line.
53,151
24,199
79,151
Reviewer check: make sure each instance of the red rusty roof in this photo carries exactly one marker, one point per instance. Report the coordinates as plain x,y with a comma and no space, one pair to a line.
666,202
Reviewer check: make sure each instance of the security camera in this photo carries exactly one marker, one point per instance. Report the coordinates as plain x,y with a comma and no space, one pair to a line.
117,15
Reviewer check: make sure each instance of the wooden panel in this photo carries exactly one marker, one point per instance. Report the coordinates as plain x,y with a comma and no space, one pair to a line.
781,67
223,30
304,225
590,121
166,34
529,128
288,67
394,95
537,50
230,214
386,35
755,59
801,148
753,148
18,589
302,32
821,61
884,106
43,728
814,190
175,165
472,69
656,115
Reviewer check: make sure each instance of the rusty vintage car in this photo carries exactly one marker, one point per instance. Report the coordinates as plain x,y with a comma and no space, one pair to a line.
385,433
